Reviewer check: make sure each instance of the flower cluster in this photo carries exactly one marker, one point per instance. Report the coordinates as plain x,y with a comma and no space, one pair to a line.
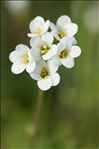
50,47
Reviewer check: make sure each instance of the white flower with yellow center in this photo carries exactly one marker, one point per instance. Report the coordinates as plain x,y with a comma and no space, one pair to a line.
38,27
22,59
63,28
67,51
45,74
43,47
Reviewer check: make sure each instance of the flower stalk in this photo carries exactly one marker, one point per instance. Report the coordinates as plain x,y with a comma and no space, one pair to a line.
36,121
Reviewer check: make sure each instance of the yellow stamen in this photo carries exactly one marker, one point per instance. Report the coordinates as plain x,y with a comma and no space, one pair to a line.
61,34
44,73
39,31
25,58
64,53
44,49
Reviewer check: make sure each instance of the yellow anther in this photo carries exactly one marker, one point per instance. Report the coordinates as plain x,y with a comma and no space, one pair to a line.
39,31
44,73
61,34
25,58
64,53
44,49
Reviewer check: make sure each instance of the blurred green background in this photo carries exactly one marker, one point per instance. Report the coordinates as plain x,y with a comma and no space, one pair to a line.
70,111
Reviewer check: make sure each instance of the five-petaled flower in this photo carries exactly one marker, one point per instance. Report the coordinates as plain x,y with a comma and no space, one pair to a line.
49,50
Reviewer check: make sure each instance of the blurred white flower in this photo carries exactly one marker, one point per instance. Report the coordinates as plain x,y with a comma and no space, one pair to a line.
43,46
91,18
67,51
38,27
45,74
63,28
76,8
21,59
17,6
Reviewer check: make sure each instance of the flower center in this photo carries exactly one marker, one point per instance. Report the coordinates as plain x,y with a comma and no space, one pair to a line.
64,53
39,31
44,73
25,58
61,34
44,49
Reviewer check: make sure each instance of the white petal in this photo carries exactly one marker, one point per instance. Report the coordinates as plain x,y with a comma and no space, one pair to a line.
74,41
54,33
39,18
14,57
41,63
34,24
16,69
63,20
30,56
31,35
30,67
72,29
35,52
34,76
52,68
31,26
55,79
45,84
21,48
55,61
61,46
52,26
75,51
48,38
35,42
68,41
46,25
68,62
52,52
36,73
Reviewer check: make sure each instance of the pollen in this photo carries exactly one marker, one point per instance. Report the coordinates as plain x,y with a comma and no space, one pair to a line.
25,58
64,53
44,73
44,49
39,31
61,34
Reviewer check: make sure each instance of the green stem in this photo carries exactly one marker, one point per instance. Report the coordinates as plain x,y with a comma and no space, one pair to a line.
39,108
36,121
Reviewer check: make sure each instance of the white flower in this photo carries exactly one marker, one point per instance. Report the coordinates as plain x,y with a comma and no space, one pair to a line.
63,28
91,18
21,59
67,51
17,6
45,74
43,46
38,27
